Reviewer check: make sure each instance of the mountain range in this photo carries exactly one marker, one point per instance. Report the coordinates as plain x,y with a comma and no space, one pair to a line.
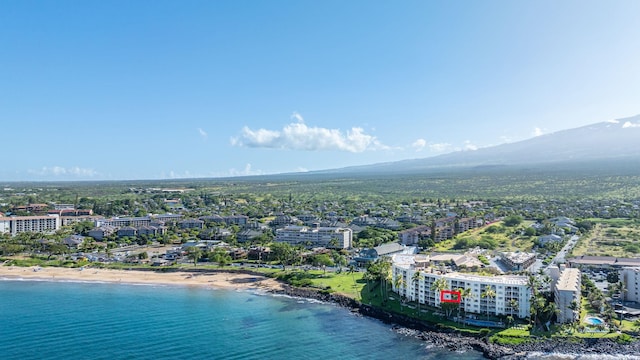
611,141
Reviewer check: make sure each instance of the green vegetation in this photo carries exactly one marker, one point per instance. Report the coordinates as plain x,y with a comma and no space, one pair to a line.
610,237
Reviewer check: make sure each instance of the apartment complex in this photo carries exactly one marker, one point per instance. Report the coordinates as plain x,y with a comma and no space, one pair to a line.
329,237
567,295
631,278
18,224
512,294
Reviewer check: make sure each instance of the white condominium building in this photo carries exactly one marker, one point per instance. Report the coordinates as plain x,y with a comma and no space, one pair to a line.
510,293
630,277
567,295
18,224
329,237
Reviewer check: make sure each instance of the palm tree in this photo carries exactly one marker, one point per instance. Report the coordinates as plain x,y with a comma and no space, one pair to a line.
465,293
438,285
514,305
399,283
488,293
416,278
194,253
352,271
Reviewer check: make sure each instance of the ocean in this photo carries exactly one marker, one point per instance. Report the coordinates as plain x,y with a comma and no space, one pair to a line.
71,320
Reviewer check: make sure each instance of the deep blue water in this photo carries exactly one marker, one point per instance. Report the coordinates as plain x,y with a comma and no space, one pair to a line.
47,320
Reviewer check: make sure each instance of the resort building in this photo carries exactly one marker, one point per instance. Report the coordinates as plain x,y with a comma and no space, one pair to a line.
509,295
602,262
122,222
19,224
630,277
328,237
567,295
518,261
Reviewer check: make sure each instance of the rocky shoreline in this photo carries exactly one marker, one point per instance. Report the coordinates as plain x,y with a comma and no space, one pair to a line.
451,340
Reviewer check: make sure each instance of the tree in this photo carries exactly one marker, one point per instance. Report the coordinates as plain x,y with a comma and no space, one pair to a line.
323,260
282,252
513,220
438,285
220,256
465,293
416,278
194,253
613,277
399,283
514,306
352,271
488,293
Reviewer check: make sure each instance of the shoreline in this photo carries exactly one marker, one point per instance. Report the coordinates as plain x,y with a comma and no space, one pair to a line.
208,279
246,280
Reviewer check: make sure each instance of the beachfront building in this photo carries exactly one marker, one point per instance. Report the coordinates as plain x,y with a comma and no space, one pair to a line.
37,224
328,237
630,277
508,290
567,295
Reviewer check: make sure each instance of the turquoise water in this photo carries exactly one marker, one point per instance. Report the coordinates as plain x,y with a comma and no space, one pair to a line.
593,321
47,320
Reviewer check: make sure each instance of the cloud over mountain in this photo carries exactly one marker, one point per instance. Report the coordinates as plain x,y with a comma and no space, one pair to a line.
299,136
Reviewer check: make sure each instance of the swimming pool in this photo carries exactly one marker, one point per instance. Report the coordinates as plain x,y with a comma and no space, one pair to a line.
591,320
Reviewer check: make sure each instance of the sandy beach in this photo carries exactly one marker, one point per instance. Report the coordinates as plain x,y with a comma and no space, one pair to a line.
179,278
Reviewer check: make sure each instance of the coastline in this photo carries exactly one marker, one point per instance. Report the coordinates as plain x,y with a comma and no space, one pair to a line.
432,334
211,279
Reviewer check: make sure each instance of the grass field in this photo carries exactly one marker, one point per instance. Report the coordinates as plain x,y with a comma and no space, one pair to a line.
615,237
502,237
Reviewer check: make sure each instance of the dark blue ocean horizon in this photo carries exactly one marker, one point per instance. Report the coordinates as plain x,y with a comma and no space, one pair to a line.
64,320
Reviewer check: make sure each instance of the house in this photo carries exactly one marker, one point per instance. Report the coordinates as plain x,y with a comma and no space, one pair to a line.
388,249
102,232
73,241
553,238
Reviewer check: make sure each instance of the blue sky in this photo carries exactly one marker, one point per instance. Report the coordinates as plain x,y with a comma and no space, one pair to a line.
165,89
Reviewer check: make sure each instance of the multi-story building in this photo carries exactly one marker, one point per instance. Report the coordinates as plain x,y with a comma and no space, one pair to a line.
121,222
518,261
412,236
19,224
511,294
328,237
567,295
191,224
630,277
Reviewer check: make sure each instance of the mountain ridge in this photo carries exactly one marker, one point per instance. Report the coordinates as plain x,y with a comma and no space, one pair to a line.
608,140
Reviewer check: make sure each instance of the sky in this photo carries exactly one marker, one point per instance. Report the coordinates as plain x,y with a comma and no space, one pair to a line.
120,90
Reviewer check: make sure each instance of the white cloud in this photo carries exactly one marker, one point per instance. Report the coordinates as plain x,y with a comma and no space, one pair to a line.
505,139
247,171
613,121
299,136
440,148
629,124
537,132
202,133
419,144
469,146
297,117
62,171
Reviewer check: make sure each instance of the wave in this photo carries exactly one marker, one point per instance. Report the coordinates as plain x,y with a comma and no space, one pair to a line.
560,356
